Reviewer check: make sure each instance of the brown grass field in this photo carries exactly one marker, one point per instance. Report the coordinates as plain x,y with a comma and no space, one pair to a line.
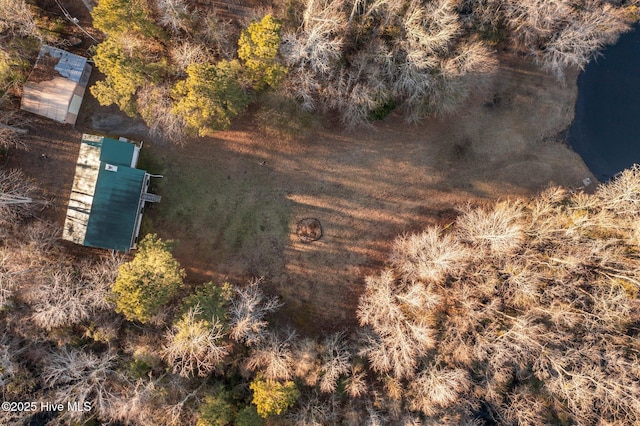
232,202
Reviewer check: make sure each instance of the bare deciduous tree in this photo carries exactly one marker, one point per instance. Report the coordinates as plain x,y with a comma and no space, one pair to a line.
587,32
355,384
374,417
341,60
195,346
39,240
12,127
312,411
498,230
435,389
219,34
622,194
58,300
336,359
306,361
558,34
16,192
546,330
174,15
76,375
7,361
137,404
524,407
16,19
187,52
156,108
247,313
429,256
98,276
167,400
400,336
7,278
273,356
63,297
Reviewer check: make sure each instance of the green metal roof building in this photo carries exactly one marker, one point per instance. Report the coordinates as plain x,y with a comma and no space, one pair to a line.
108,195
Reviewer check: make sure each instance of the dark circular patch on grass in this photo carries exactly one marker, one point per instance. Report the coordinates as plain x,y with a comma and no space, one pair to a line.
309,230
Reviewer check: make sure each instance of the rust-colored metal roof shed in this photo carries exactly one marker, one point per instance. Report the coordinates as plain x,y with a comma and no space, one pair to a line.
56,85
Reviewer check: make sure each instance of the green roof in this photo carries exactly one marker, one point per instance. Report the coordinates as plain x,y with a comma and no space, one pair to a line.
106,200
114,211
112,151
117,152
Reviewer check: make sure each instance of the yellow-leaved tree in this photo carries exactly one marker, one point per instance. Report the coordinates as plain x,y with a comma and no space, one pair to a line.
126,70
258,49
147,282
210,96
119,16
272,397
132,55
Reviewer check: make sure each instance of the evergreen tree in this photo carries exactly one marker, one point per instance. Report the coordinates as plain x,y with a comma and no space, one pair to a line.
210,96
145,284
258,49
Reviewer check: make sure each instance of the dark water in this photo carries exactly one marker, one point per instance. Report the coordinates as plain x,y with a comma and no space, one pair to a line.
606,129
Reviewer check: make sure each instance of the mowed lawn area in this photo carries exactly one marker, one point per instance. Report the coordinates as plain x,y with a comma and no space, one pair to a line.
225,216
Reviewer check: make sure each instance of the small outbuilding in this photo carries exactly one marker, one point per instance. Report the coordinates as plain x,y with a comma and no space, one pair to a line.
108,196
56,85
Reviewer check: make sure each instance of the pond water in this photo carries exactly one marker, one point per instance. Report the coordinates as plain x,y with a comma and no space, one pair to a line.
606,128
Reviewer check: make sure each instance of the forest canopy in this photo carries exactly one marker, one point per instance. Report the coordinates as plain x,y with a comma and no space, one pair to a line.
517,312
522,312
357,59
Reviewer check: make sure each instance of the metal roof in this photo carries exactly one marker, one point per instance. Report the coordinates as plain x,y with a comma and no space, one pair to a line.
56,85
115,208
107,198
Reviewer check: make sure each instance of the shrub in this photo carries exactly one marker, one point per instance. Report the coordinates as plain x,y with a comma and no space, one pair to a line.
212,302
248,416
215,410
273,398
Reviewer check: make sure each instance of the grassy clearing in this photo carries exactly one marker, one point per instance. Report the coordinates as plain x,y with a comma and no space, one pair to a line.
231,202
222,212
282,117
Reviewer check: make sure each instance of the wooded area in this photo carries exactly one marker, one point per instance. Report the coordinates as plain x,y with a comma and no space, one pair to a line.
519,312
357,59
515,312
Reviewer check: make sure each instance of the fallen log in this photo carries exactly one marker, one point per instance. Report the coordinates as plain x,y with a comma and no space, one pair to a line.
14,129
